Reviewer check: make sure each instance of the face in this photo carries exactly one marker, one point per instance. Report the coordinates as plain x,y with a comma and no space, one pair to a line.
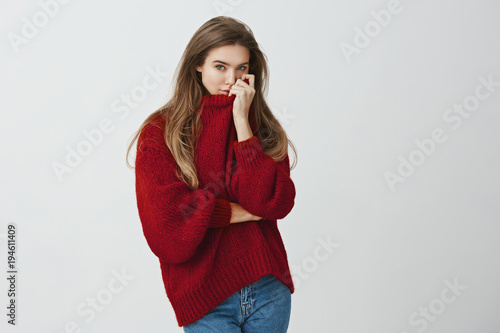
223,66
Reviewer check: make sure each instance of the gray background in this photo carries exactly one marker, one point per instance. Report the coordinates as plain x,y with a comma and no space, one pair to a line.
394,251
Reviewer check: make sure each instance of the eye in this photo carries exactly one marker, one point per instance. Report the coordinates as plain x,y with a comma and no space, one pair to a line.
218,66
242,68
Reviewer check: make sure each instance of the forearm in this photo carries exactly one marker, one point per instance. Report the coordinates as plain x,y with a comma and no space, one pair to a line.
243,129
240,214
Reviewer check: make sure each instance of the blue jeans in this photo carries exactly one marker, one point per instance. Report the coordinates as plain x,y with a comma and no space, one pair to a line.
262,306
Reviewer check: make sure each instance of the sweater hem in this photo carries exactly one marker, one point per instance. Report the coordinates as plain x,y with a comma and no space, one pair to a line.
194,304
199,301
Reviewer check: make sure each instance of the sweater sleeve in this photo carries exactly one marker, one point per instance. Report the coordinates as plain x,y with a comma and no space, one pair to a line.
261,185
174,218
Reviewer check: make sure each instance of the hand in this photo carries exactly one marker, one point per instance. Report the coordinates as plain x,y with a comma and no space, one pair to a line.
240,214
244,91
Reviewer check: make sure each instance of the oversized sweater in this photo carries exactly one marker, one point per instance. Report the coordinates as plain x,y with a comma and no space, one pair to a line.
203,258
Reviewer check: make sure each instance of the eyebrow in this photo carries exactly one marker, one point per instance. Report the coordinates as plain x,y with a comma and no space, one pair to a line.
224,63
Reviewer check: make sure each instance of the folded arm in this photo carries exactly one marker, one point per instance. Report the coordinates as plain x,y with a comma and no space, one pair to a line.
262,186
174,218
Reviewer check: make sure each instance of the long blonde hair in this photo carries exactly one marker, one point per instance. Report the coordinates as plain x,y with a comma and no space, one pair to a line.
184,125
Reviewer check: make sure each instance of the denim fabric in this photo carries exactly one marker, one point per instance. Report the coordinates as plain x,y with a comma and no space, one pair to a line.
262,306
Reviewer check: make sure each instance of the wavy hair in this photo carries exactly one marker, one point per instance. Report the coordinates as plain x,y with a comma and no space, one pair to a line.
183,125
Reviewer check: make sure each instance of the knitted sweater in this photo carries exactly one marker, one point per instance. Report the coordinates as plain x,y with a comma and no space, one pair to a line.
203,258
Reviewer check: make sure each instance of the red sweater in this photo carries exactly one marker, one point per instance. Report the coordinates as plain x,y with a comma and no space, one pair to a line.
203,258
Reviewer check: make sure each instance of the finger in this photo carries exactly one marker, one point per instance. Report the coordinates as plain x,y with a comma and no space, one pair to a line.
241,81
251,79
233,90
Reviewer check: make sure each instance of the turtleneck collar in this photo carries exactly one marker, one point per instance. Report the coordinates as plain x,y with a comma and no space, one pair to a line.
217,100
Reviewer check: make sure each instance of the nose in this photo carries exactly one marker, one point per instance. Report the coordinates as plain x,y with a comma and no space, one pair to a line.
230,78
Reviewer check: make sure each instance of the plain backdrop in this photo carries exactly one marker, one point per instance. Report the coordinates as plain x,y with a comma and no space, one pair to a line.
393,107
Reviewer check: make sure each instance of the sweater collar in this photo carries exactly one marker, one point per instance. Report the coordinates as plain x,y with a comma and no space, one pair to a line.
217,100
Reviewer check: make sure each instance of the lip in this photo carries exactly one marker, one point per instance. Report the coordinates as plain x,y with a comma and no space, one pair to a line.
225,92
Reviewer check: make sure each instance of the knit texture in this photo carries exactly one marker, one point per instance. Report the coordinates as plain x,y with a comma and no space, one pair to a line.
203,258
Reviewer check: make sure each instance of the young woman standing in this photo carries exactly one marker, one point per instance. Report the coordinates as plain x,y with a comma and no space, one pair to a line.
212,179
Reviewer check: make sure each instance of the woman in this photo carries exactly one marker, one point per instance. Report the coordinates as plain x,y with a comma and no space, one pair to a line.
212,179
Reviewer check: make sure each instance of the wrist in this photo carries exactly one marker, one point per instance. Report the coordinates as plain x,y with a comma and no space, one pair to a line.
240,120
243,130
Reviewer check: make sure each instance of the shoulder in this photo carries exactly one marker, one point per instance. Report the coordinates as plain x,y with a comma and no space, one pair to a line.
152,134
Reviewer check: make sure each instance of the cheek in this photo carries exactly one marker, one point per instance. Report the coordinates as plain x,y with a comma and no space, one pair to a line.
214,76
